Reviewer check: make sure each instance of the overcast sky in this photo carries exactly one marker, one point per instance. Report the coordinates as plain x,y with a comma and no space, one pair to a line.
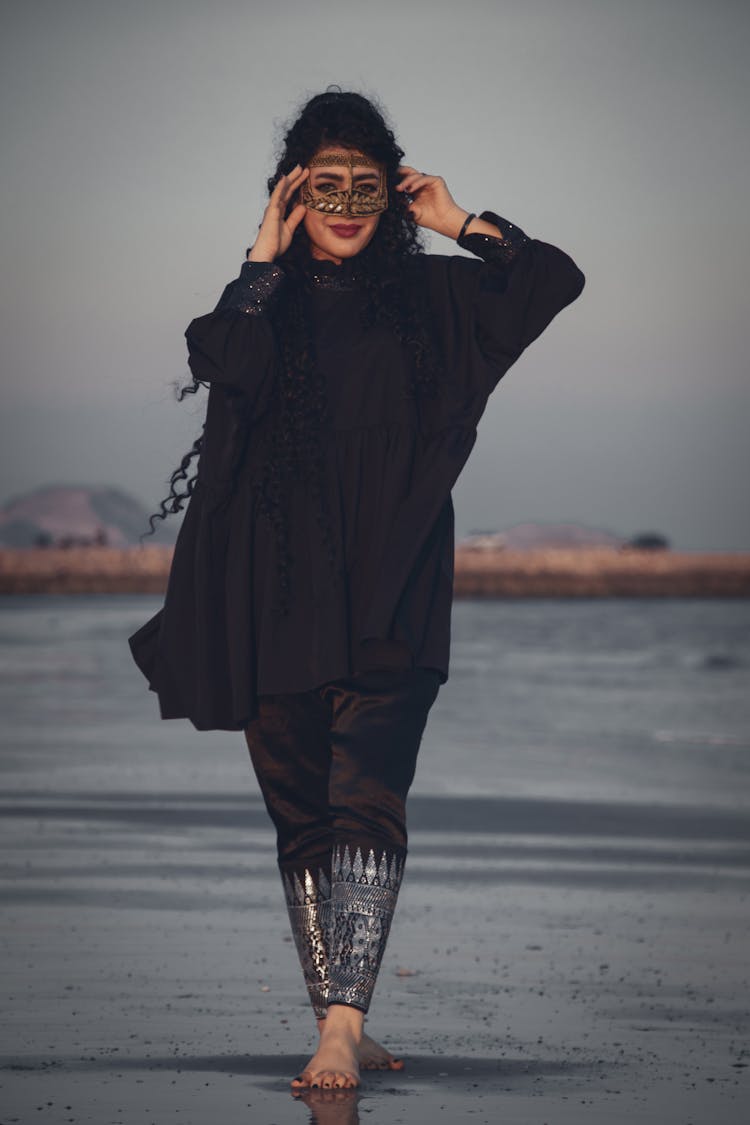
136,139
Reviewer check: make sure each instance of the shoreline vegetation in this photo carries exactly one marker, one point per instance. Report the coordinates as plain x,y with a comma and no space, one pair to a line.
551,572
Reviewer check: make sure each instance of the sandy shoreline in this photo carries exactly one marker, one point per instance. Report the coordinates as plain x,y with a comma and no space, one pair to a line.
557,964
570,944
558,572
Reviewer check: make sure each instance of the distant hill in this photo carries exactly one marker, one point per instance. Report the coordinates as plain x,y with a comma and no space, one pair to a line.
79,515
529,536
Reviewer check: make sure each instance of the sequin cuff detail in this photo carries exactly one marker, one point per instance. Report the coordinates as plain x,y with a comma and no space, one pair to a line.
493,249
257,288
363,901
307,901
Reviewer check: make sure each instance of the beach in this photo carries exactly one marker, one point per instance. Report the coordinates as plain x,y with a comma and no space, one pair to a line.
542,572
571,938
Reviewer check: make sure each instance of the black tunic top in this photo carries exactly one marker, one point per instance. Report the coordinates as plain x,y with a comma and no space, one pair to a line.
390,464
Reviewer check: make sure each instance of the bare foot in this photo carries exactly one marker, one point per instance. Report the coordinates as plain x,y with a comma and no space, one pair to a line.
372,1055
335,1064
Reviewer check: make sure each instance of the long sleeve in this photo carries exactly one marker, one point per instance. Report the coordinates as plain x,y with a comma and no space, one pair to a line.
536,281
234,346
490,310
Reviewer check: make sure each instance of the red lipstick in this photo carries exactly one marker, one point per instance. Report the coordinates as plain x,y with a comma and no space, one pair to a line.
344,230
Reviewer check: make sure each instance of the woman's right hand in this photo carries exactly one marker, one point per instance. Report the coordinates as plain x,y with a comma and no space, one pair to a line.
277,228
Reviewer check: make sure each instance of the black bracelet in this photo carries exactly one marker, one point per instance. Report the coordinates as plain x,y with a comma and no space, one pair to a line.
466,223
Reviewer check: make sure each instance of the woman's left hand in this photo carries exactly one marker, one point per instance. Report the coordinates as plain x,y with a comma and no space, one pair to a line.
432,205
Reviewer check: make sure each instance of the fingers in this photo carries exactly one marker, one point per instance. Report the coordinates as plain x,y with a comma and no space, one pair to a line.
286,187
292,182
407,172
295,217
413,181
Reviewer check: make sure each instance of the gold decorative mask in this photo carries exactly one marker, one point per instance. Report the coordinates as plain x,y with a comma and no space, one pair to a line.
348,199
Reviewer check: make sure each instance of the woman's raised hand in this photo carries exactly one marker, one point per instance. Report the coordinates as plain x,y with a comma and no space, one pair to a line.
276,229
432,205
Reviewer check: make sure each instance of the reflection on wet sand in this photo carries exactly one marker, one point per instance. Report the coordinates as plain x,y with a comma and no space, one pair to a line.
330,1107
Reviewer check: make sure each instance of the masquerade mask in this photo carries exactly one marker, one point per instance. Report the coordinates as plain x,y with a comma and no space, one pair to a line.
337,196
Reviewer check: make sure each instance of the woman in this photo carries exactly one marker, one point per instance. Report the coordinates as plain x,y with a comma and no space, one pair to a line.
309,597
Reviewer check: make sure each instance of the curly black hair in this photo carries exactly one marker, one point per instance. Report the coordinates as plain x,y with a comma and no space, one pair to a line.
294,443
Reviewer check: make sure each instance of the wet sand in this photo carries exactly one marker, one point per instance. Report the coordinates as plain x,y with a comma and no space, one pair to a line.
550,961
598,572
571,939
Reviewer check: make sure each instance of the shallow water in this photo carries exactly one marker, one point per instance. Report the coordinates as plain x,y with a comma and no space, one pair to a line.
609,700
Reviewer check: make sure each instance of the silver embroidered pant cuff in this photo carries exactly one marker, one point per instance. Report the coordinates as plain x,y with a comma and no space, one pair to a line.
341,927
308,902
363,901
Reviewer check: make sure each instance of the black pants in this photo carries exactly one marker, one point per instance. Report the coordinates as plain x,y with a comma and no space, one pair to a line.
334,765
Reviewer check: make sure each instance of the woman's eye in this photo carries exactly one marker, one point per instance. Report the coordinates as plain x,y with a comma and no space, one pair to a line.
325,185
369,188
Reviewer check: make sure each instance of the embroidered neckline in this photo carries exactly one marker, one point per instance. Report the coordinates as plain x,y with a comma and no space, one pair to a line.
325,274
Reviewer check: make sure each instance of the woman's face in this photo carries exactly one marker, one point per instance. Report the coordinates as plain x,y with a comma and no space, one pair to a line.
335,237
